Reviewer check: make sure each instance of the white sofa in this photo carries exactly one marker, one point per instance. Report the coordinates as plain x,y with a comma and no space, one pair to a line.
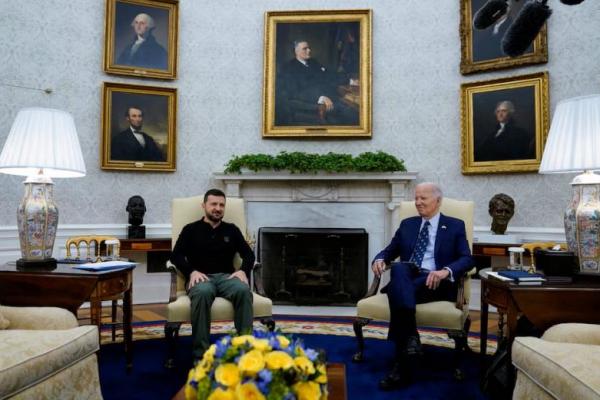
45,354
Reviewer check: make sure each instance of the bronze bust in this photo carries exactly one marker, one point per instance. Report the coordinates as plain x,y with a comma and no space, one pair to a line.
136,207
501,208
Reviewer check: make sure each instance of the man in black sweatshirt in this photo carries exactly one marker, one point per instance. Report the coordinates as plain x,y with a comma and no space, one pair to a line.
204,253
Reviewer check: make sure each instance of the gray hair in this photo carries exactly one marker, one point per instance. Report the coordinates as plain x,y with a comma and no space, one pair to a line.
435,189
298,41
148,18
509,105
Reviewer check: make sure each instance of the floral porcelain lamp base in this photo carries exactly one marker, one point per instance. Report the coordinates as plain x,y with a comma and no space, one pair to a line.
582,222
37,220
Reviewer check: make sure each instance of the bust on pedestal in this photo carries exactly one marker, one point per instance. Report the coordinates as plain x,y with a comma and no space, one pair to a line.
501,209
136,207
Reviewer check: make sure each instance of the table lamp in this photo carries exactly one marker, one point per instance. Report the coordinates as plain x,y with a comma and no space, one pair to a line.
574,146
42,144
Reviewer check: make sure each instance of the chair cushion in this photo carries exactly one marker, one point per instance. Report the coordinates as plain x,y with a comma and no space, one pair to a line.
564,370
30,356
437,314
180,309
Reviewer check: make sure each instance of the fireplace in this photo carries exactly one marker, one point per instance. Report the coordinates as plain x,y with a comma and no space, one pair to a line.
314,266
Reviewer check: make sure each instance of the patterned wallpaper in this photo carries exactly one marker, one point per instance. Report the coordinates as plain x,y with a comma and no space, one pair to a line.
416,85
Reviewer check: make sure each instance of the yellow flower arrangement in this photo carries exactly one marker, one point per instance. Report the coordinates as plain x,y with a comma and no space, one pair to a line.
263,366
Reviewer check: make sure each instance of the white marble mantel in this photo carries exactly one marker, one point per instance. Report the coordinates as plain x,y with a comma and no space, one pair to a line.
343,187
388,188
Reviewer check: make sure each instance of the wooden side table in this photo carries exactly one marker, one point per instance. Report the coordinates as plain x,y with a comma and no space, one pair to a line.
69,288
157,250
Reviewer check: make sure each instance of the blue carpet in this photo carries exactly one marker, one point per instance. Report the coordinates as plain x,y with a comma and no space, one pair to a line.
150,380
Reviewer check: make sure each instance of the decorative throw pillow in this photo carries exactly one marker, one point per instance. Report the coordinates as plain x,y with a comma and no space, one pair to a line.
3,322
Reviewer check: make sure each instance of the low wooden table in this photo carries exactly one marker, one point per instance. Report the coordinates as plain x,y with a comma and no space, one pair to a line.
336,376
69,288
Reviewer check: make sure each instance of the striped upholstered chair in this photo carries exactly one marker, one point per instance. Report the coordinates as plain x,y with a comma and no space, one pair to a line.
451,316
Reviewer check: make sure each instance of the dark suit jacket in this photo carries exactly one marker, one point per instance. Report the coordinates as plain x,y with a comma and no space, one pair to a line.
513,143
124,146
451,246
150,54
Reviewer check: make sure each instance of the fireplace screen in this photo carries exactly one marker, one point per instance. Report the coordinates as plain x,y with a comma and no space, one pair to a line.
310,266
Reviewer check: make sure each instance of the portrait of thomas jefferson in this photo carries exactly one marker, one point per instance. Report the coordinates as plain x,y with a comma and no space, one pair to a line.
504,125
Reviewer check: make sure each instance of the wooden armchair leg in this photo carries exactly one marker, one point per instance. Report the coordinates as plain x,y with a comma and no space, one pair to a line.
171,336
358,324
269,323
461,346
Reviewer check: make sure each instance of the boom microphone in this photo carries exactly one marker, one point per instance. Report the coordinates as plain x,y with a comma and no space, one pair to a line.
489,13
527,25
571,2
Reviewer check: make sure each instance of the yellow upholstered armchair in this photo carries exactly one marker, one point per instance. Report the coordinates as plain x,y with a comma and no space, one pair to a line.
451,316
184,211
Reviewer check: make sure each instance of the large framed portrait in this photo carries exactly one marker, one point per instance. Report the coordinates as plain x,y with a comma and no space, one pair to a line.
317,74
504,124
141,38
481,50
138,127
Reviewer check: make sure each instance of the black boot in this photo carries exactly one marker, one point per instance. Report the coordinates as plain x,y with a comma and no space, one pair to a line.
398,377
413,346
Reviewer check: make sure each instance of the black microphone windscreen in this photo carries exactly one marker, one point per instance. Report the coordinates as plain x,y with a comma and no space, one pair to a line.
525,28
571,2
489,13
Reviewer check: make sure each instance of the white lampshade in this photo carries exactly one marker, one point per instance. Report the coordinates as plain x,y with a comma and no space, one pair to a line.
43,138
574,139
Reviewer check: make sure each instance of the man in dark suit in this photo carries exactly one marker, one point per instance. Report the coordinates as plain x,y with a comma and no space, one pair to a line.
434,254
507,141
307,92
132,144
144,51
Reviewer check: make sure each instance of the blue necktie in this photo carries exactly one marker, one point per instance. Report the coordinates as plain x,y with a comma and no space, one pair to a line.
421,246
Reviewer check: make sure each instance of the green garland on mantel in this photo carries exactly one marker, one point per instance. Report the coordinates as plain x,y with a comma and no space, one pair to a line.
301,162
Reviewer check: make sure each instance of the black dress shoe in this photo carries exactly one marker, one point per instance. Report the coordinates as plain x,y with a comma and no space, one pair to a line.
397,378
413,346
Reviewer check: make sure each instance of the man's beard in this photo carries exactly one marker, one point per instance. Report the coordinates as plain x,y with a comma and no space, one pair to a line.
214,218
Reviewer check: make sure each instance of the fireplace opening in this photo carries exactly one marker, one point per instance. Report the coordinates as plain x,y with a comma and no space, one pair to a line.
314,266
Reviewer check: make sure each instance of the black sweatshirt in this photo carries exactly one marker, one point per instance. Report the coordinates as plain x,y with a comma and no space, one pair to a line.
211,250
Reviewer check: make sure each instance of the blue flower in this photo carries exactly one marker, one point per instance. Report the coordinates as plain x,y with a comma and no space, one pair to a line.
289,396
311,354
265,375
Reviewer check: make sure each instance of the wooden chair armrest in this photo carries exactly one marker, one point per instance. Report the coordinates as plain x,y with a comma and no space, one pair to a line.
374,288
257,279
461,300
173,289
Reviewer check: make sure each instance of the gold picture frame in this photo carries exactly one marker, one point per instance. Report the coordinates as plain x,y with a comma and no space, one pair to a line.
138,128
140,38
504,123
328,94
481,49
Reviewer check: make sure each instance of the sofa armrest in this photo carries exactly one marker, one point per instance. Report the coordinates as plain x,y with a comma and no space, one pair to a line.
257,279
573,333
37,318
